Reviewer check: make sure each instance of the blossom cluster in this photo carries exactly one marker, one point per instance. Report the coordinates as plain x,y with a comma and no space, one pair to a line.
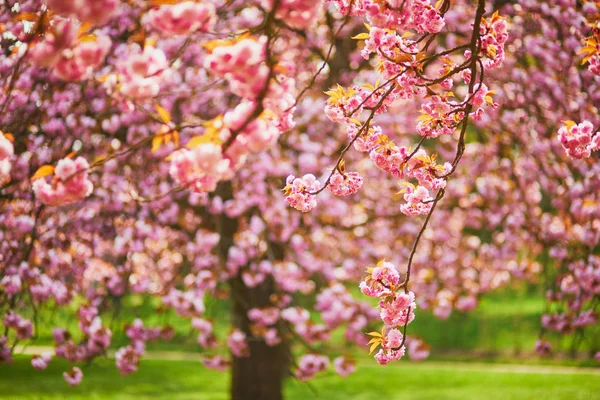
300,192
400,65
95,342
577,287
127,358
345,183
23,327
419,15
70,57
311,364
200,168
397,308
264,320
242,63
141,74
237,343
297,14
93,11
183,18
579,140
69,184
494,33
6,151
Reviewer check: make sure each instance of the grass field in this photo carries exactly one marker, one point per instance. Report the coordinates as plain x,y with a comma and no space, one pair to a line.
161,379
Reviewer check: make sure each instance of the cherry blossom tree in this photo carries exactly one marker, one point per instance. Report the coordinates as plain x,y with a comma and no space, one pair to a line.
283,155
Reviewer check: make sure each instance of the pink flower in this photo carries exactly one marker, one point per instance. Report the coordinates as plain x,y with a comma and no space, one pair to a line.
381,281
5,351
40,362
237,343
311,364
386,273
436,119
127,360
346,184
60,336
417,349
579,141
216,362
79,62
297,14
11,284
419,15
70,183
266,316
97,11
73,376
344,366
299,192
201,167
466,303
6,147
383,357
183,18
295,315
22,326
396,312
272,337
242,63
418,201
543,347
393,340
143,73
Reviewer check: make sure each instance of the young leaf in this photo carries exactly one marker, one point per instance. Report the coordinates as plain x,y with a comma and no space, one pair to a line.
361,36
42,172
373,347
164,115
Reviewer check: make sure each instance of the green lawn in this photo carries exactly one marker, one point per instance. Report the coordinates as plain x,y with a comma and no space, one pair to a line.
159,379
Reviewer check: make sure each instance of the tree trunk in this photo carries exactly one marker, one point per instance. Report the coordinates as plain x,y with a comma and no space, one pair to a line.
259,376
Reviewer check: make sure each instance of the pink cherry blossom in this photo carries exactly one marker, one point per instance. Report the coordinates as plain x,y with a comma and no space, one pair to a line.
73,376
70,184
183,18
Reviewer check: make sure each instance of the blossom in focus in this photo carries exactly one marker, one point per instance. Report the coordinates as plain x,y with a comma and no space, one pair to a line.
300,192
70,183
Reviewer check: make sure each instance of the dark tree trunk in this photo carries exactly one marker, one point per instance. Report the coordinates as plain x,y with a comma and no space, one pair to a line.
259,376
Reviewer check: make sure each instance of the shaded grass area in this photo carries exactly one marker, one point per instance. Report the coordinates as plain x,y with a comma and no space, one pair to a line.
158,379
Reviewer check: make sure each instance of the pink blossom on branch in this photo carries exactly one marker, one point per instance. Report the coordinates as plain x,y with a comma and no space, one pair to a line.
73,376
183,18
69,184
95,11
200,168
579,140
40,362
300,192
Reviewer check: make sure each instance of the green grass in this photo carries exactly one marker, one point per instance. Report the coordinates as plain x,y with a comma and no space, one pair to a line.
504,322
189,380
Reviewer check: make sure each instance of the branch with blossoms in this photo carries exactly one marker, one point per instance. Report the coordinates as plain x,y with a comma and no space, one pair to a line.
580,140
401,65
